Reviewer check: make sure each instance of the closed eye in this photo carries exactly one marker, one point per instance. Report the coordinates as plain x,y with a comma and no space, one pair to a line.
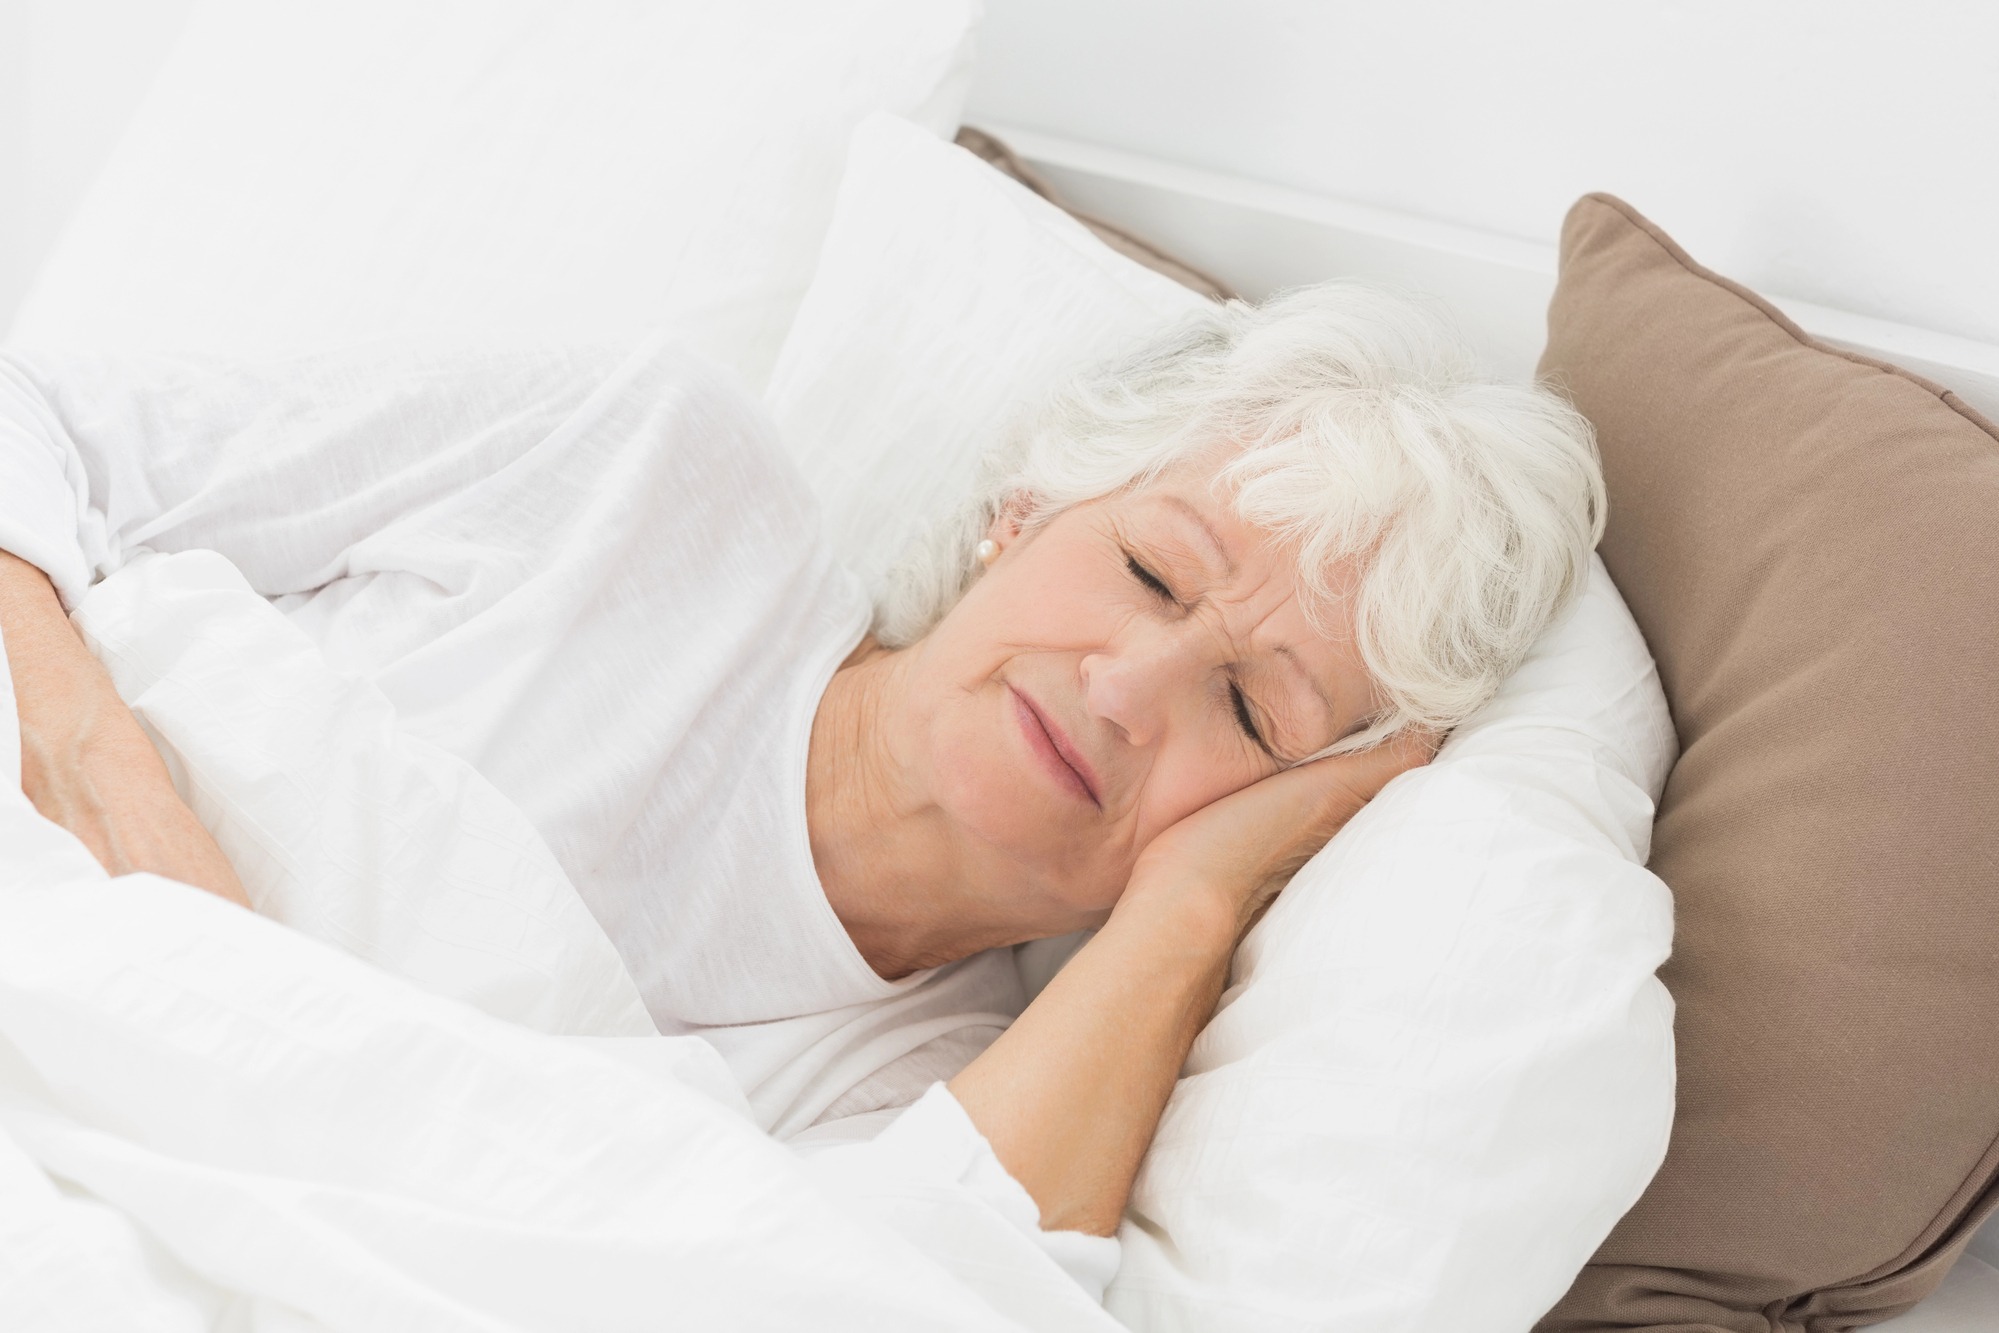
1151,581
1246,720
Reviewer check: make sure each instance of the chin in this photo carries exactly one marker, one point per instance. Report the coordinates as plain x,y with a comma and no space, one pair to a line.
993,802
1041,843
1035,835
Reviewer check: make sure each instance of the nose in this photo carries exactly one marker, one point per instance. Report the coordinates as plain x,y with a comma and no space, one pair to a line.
1134,683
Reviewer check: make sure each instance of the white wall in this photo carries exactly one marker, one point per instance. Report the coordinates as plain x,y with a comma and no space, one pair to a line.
13,154
1844,152
1839,151
71,73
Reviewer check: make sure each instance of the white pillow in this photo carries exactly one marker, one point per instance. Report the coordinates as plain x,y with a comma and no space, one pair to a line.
313,173
948,300
1444,1067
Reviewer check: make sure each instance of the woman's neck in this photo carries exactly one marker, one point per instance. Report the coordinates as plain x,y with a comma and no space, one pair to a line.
891,871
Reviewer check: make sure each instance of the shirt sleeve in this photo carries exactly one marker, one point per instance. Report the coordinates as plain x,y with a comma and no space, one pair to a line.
282,466
44,512
930,1173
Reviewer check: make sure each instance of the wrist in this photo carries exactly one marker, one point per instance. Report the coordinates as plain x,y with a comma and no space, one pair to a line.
82,729
1202,918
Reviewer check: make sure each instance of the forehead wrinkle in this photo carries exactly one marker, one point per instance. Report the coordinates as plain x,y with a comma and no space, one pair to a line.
1256,660
1199,522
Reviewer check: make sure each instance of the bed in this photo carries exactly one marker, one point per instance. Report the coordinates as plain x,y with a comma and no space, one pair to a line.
1250,236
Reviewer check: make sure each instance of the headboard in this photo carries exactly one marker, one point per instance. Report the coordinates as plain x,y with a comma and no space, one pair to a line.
1831,152
1260,238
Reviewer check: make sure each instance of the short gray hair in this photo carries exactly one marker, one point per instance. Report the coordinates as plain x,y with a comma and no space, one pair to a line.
1353,425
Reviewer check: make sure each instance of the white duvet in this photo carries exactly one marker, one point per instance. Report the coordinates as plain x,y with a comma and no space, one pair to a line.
432,1099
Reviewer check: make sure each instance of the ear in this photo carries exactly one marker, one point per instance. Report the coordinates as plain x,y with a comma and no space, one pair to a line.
1009,519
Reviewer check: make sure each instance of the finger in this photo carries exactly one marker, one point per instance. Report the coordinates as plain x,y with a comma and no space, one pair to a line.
1368,771
1303,807
1418,744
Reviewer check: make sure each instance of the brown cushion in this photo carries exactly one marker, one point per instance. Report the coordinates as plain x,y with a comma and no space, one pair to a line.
1810,541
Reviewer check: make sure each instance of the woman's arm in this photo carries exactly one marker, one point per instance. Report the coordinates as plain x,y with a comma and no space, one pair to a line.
1071,1094
85,762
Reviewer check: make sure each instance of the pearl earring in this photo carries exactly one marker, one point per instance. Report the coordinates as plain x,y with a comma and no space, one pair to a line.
988,551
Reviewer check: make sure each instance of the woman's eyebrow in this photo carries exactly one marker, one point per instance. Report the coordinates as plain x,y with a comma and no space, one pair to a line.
1222,557
1298,668
1207,530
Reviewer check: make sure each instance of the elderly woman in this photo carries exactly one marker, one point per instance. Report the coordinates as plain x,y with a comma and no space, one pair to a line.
1208,602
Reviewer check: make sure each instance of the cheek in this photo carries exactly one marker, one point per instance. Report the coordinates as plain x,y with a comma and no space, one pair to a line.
1044,605
979,774
1036,603
1183,783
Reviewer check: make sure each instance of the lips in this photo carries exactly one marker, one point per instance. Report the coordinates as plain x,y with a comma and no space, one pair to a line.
1054,749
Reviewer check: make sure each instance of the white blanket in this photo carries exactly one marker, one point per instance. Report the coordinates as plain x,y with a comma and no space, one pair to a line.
210,1119
213,1121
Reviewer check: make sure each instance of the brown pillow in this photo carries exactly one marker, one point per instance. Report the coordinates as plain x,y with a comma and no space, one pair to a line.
1810,541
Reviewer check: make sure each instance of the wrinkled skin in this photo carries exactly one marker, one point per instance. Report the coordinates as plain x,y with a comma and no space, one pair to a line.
1140,686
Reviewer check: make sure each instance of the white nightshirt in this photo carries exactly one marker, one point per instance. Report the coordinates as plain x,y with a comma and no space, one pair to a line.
595,577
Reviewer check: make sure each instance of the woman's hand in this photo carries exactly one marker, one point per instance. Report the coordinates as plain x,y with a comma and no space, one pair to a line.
1070,1095
1236,853
85,762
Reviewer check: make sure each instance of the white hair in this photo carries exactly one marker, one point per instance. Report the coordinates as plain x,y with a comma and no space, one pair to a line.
1354,427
